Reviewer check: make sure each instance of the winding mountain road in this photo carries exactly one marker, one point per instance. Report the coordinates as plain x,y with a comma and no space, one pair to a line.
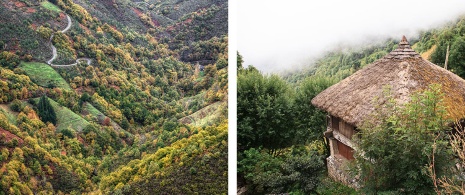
69,24
54,50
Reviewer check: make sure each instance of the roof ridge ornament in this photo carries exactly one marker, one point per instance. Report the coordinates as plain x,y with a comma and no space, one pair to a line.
403,51
404,39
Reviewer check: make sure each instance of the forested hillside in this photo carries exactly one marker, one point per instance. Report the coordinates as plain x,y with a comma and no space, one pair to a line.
135,97
280,134
431,44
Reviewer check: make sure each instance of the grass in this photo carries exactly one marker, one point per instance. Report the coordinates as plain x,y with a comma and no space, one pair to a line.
427,54
193,103
201,76
10,115
66,119
44,75
50,6
205,116
94,112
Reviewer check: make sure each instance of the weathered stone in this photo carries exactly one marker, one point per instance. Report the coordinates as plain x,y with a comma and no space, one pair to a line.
338,169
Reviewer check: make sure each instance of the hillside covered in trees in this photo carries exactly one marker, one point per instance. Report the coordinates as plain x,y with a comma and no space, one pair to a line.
113,97
431,44
280,134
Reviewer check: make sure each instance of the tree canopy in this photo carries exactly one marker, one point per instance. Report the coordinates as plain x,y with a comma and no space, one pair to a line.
264,111
393,155
46,111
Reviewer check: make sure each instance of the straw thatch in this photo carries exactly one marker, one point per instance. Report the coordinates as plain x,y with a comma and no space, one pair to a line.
405,72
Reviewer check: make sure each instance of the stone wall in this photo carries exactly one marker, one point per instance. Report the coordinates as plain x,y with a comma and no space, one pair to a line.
338,170
338,164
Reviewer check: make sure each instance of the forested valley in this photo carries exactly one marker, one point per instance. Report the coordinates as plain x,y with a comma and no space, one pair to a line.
133,102
282,149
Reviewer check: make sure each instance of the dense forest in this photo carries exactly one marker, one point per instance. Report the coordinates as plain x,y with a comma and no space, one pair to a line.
134,102
281,147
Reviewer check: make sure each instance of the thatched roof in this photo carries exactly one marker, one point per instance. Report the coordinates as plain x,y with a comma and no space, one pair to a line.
405,71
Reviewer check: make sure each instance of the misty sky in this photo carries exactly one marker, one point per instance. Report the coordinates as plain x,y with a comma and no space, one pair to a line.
275,35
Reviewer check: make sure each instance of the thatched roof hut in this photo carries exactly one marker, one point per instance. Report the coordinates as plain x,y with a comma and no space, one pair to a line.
405,71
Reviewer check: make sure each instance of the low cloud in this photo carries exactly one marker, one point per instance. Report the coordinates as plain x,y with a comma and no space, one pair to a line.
279,35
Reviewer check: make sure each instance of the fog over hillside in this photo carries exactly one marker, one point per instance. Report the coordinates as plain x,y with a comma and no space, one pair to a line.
275,36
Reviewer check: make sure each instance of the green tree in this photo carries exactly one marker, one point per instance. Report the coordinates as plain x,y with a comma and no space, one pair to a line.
65,180
46,111
67,133
264,111
457,57
310,121
16,105
85,97
239,62
9,60
393,151
221,63
125,123
292,172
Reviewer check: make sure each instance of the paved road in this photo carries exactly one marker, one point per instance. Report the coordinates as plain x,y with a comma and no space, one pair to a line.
69,24
54,50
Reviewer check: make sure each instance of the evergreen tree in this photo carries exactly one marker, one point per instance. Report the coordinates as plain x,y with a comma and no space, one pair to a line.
46,112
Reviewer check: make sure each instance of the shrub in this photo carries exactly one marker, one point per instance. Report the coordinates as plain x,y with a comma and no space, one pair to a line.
16,105
68,133
396,151
265,173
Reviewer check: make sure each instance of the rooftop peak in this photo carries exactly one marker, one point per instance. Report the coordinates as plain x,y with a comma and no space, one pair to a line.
403,51
404,39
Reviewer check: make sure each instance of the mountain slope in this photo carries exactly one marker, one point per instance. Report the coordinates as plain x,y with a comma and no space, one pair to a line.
129,69
431,44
